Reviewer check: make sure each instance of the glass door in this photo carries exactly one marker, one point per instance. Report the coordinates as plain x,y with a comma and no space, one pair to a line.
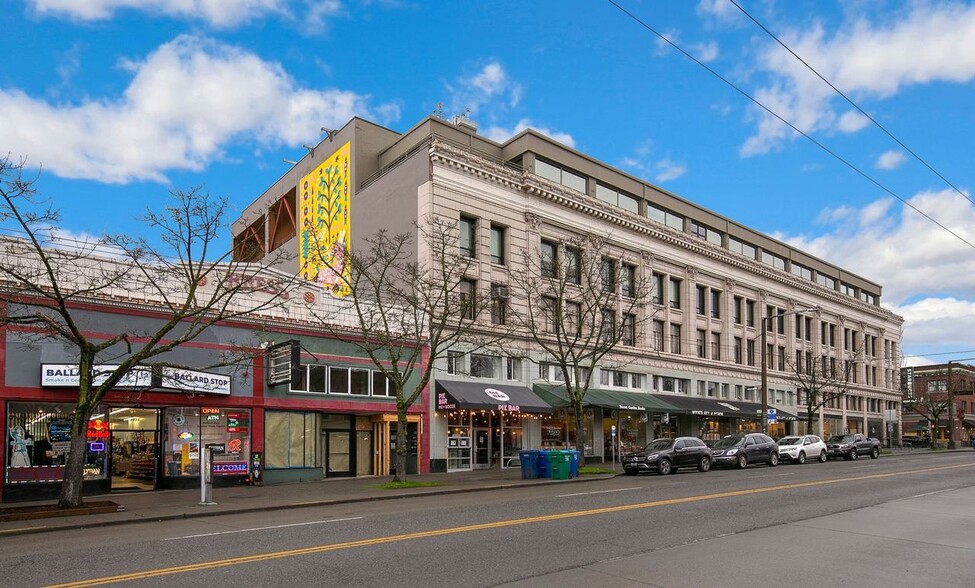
482,448
134,460
337,453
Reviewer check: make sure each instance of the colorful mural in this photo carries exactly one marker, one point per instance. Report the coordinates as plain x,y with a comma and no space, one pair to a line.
325,221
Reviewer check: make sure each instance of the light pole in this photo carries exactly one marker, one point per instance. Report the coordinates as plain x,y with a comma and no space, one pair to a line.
763,350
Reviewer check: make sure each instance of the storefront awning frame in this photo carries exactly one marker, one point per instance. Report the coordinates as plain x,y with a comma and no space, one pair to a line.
557,396
472,395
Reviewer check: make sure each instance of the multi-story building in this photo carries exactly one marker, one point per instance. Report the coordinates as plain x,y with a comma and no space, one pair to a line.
939,398
694,367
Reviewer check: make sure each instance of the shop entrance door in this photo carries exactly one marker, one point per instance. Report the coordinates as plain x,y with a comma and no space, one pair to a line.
135,461
338,453
482,448
363,453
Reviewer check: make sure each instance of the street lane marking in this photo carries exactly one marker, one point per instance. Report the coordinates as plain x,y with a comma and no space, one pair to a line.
598,492
479,527
261,529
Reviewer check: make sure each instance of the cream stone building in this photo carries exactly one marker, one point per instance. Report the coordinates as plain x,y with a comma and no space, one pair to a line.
693,367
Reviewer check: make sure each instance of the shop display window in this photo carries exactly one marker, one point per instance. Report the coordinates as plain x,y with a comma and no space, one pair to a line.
38,439
188,430
292,439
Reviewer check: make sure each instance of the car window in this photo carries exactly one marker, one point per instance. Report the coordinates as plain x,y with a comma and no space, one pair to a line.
696,443
659,445
729,441
679,445
841,438
789,441
749,441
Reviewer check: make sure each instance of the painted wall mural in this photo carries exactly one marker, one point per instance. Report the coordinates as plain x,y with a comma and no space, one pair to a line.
325,221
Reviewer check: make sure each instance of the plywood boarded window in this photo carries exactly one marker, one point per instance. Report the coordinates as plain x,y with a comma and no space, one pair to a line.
249,245
281,221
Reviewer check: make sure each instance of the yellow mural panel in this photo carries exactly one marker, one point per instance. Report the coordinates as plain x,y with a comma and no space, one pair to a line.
325,221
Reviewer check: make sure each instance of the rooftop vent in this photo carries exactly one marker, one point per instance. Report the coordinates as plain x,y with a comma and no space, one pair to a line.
464,121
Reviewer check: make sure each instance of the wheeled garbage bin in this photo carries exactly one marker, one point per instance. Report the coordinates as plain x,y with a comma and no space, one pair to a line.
574,464
529,464
561,464
544,464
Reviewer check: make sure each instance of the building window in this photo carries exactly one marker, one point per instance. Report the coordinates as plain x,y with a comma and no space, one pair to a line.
848,289
607,274
562,176
773,260
801,271
701,338
467,242
338,380
715,304
573,319
825,280
702,295
657,296
381,385
750,313
292,439
741,247
609,333
628,280
467,305
628,330
736,309
716,346
674,293
513,368
359,381
499,304
549,258
550,314
739,359
484,366
455,362
658,335
703,232
498,246
573,265
617,198
666,217
620,379
675,339
750,352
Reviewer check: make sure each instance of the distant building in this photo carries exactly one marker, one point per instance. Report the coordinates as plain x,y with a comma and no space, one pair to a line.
694,369
947,389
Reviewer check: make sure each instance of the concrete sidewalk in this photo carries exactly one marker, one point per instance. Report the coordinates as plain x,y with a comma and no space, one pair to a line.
176,504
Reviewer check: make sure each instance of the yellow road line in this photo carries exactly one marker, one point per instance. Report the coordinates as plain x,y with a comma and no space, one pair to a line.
479,527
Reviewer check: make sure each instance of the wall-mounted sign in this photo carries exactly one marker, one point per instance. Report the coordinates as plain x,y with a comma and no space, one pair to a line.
193,381
63,375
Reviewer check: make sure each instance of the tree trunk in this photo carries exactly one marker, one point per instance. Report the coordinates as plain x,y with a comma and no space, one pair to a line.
402,444
74,470
580,432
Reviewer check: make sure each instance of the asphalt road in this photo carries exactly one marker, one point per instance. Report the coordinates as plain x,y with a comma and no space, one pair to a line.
902,521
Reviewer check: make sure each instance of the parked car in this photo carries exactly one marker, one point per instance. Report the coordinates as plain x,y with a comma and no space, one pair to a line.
799,448
741,450
853,446
666,456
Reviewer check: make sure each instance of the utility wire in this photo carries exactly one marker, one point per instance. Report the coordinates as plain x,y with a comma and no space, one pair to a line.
851,102
755,101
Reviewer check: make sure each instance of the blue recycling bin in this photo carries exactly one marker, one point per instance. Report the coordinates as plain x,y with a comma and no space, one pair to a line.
529,464
574,464
544,464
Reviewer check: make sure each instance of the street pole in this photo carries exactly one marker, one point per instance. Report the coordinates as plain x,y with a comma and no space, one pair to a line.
764,377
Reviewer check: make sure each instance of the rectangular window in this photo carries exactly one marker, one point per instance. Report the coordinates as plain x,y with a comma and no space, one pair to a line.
573,265
467,290
750,352
801,271
628,280
658,335
549,258
675,339
359,382
741,247
484,366
550,313
657,295
629,330
825,280
702,296
607,274
573,319
291,440
739,358
674,293
513,369
736,312
498,245
338,380
381,386
704,232
560,175
499,304
713,388
848,289
455,362
666,217
609,326
809,328
715,304
701,338
773,260
750,313
467,241
716,346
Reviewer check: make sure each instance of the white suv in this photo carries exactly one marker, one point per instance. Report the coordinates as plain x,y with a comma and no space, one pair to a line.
799,448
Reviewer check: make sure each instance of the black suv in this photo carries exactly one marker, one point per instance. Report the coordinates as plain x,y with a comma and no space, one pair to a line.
741,450
665,456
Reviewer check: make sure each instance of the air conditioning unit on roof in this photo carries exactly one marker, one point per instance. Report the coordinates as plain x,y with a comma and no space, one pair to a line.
500,292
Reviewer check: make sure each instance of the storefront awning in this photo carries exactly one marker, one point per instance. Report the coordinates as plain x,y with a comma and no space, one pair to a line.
614,399
452,394
721,408
968,423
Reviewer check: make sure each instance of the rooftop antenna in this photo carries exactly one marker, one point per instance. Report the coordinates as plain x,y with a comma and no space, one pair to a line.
438,111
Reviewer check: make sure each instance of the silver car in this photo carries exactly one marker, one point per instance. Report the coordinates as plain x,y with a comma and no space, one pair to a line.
799,448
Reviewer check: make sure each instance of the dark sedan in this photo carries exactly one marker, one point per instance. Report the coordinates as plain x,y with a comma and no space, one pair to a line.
742,450
665,456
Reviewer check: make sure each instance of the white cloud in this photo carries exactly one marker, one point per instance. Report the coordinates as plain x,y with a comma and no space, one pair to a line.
662,170
219,13
891,160
924,270
851,121
489,85
706,52
720,9
668,170
188,101
501,134
930,42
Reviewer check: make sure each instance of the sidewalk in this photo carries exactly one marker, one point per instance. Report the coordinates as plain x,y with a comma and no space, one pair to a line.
177,504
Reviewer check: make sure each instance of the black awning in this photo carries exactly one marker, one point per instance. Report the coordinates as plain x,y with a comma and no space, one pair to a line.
722,408
455,394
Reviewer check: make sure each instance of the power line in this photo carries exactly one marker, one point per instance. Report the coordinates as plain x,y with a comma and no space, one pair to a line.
755,101
851,102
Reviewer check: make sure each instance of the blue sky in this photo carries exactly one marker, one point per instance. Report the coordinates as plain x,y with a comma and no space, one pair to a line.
122,100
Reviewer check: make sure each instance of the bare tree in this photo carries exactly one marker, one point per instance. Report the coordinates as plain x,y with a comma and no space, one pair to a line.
578,303
822,381
937,400
409,311
45,280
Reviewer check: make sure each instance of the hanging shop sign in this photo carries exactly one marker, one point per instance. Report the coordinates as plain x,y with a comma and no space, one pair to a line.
64,375
193,381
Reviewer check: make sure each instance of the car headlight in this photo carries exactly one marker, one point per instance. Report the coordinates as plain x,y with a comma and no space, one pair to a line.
652,457
731,452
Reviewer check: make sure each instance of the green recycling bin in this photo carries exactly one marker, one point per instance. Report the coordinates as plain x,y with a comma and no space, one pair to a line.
561,464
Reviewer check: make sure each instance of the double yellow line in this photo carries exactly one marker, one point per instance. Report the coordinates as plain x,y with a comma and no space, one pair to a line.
469,528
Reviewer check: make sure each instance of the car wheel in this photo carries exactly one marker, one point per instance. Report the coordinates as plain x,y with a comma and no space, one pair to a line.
704,465
663,468
853,454
802,457
874,453
823,456
773,460
742,461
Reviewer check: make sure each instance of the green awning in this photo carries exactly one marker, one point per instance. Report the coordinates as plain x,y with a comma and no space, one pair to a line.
919,427
615,399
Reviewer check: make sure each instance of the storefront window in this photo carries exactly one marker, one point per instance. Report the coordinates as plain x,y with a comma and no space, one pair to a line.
292,439
459,441
181,428
38,439
553,431
189,430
